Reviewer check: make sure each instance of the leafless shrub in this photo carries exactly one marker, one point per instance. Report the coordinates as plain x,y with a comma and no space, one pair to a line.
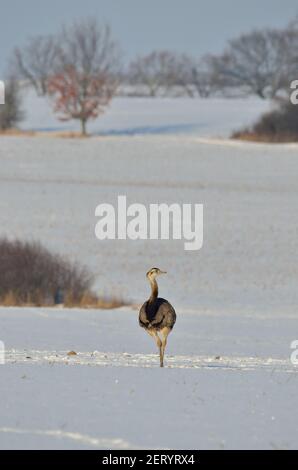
279,125
29,273
11,112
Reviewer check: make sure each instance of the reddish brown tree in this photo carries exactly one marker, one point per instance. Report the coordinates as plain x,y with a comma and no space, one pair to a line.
77,96
86,72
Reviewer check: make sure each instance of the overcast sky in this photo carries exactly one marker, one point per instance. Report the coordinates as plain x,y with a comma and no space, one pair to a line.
193,26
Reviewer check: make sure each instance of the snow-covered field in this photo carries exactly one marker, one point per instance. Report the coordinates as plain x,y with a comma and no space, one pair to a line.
158,116
228,380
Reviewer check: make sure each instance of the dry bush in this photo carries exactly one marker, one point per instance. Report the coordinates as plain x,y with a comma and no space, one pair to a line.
279,125
11,112
31,275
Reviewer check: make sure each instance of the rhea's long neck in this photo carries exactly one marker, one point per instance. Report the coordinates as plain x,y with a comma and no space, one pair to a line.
154,290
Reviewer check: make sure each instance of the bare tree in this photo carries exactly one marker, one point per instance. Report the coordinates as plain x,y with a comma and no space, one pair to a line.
193,75
162,71
11,112
86,71
257,62
156,71
289,51
35,62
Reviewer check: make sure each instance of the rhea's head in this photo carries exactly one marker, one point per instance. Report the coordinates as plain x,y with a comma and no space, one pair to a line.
153,272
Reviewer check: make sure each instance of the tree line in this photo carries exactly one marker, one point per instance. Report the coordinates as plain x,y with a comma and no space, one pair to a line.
80,69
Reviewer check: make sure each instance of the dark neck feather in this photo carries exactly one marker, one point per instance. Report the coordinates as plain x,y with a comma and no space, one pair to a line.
154,290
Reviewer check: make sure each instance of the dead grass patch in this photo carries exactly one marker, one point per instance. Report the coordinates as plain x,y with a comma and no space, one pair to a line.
251,136
17,132
276,126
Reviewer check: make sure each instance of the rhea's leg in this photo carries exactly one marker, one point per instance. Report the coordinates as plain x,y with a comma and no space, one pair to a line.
164,333
154,334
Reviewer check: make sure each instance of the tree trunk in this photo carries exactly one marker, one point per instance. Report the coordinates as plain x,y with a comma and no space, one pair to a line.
260,93
83,127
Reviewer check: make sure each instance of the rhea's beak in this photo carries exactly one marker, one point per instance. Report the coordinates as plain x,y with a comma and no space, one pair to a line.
163,272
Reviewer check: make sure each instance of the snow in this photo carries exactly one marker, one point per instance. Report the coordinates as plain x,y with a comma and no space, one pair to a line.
228,381
50,188
158,116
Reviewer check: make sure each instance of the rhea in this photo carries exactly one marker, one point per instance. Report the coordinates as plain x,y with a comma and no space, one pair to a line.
157,316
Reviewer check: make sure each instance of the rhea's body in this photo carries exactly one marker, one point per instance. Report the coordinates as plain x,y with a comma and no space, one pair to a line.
157,316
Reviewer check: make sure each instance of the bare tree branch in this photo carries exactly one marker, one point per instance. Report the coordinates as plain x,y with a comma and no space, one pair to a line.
86,71
35,62
259,62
